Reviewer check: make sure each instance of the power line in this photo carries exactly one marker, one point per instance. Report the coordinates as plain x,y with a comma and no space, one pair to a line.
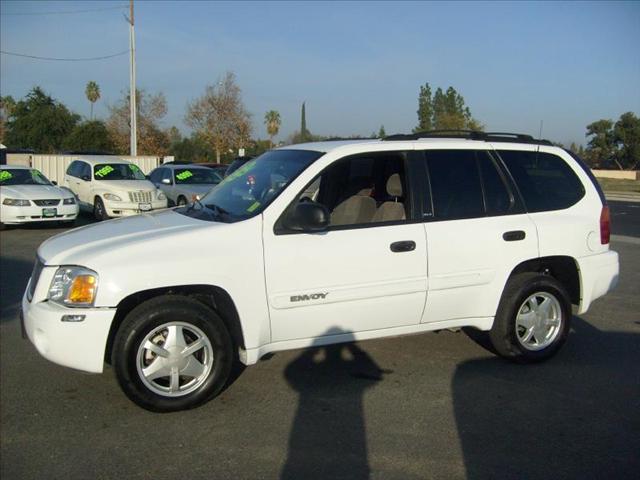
65,12
86,59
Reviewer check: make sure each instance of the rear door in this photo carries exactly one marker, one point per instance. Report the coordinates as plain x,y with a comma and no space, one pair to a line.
477,232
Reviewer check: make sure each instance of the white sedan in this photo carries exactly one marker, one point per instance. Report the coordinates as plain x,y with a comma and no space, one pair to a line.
26,196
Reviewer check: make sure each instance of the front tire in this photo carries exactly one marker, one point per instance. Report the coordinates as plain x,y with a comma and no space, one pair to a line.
533,318
181,201
99,212
172,353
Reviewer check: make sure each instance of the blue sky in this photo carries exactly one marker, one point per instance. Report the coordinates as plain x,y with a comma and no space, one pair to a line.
358,65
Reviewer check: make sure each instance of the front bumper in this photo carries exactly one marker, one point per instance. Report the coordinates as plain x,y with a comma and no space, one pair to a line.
79,345
125,209
12,215
598,275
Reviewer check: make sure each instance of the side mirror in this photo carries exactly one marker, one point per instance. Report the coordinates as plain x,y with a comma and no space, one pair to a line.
308,217
54,182
86,178
166,181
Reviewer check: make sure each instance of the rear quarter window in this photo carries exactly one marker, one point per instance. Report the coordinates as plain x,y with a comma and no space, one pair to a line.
545,180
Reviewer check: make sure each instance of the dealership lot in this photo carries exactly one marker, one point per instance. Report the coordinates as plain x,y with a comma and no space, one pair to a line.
427,406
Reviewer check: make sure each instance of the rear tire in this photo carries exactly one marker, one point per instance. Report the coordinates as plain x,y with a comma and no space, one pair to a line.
533,318
172,353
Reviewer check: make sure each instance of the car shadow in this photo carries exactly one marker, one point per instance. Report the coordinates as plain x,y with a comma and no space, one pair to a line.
14,275
328,437
549,420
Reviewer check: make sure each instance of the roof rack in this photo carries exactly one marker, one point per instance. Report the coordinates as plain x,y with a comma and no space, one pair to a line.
471,135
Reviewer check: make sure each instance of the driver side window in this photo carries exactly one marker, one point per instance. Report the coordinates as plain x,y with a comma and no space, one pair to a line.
367,189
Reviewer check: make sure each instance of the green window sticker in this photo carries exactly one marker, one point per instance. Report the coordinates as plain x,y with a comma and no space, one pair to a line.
4,175
253,206
135,168
106,170
184,175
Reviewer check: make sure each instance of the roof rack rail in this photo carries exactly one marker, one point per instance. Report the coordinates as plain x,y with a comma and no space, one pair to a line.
471,135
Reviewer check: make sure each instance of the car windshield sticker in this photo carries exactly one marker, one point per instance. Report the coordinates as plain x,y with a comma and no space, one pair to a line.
135,168
184,175
4,175
35,174
253,206
106,170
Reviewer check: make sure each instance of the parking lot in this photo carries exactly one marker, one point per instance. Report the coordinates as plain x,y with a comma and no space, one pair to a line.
417,407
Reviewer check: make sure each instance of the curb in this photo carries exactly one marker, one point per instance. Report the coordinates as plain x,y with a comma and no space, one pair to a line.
622,196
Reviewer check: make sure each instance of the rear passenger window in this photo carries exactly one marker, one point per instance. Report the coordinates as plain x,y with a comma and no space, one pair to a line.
497,199
545,181
455,184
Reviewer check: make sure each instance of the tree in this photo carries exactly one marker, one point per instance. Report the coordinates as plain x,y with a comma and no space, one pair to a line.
7,105
91,136
272,122
443,111
152,140
92,91
305,135
601,147
381,132
626,137
219,116
39,122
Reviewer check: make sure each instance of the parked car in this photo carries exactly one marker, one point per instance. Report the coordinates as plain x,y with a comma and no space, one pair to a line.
337,241
181,182
112,187
236,164
219,168
27,196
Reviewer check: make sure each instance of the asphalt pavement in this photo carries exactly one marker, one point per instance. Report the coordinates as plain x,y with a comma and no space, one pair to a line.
418,407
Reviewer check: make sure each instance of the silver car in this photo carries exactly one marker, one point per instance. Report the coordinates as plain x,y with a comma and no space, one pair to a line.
180,182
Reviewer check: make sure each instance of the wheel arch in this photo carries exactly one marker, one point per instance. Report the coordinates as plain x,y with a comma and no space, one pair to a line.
214,297
563,268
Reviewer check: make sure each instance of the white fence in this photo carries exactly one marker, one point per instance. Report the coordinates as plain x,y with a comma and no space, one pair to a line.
54,166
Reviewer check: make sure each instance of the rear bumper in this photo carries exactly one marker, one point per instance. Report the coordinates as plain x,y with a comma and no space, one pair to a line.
599,275
79,345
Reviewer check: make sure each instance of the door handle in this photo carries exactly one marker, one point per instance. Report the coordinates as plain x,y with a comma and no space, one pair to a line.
403,246
514,236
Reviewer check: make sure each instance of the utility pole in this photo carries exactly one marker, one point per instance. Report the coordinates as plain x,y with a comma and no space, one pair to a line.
132,81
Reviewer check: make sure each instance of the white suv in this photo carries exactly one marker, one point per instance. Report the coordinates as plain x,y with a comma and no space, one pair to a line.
323,243
112,187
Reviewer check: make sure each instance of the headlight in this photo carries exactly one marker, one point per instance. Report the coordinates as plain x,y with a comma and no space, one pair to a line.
111,196
161,196
16,203
74,287
69,201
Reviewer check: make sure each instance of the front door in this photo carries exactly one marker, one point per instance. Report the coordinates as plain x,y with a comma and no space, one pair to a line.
368,271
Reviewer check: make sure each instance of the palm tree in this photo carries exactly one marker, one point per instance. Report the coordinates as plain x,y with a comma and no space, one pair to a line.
93,94
272,121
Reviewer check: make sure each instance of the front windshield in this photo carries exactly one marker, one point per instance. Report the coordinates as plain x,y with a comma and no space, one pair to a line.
248,190
117,171
22,176
194,176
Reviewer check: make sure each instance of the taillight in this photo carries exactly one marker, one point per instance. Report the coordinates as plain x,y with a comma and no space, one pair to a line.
605,225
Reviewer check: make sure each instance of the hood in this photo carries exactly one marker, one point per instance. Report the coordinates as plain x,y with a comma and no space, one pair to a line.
115,240
34,192
126,185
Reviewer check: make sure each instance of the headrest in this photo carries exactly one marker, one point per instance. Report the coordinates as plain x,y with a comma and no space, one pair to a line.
394,185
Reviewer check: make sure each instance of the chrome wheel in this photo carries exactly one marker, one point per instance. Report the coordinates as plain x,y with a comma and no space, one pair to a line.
539,321
174,359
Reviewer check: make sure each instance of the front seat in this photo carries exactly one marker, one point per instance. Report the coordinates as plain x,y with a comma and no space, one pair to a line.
354,210
391,210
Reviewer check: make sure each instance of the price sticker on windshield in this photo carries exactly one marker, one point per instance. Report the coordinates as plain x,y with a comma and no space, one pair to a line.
184,175
253,206
106,170
4,175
